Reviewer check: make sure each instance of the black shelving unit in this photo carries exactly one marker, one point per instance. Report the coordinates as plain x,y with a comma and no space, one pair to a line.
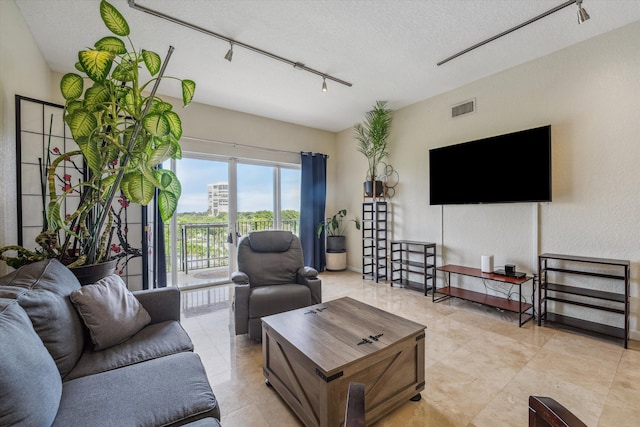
374,240
413,264
554,267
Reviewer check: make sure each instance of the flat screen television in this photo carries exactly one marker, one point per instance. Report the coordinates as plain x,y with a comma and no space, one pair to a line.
509,168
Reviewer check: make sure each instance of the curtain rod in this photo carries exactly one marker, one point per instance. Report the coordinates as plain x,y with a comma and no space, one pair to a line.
235,144
295,64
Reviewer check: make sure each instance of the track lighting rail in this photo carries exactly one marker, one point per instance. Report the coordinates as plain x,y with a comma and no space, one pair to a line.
296,64
524,24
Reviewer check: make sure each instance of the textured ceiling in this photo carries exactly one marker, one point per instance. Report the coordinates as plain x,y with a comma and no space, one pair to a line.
388,49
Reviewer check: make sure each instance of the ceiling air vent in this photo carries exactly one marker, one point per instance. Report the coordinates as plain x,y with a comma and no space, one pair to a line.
463,108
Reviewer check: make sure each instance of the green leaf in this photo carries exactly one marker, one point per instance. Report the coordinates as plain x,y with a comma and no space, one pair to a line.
111,44
54,218
152,61
73,106
106,184
174,123
78,66
96,63
167,204
178,154
81,123
169,194
138,188
163,151
92,156
168,181
188,90
156,124
71,86
159,106
125,72
113,19
96,95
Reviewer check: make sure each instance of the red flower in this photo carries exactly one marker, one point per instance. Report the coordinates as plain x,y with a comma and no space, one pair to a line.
67,177
115,248
56,150
124,202
66,187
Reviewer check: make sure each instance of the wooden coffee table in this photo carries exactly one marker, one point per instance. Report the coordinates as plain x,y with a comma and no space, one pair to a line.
311,355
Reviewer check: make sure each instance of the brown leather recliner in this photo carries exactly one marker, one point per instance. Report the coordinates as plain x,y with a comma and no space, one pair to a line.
271,279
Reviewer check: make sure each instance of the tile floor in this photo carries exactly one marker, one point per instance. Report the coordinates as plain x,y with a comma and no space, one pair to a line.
480,367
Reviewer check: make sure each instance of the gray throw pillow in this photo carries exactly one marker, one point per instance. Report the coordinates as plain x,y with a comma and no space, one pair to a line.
111,313
30,384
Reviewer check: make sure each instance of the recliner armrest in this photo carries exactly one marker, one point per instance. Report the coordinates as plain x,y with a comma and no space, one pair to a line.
239,278
162,303
241,308
308,276
307,273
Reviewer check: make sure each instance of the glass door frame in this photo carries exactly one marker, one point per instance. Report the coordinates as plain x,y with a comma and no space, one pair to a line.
232,169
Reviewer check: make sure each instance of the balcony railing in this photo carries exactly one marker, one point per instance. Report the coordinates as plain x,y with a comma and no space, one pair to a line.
206,245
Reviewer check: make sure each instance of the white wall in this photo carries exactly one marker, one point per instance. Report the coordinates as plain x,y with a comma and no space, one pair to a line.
24,72
590,94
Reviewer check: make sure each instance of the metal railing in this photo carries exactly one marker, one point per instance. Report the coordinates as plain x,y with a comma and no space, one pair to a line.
206,245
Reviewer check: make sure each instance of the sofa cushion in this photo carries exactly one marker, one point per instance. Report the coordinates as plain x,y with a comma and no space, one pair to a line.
170,390
30,385
42,289
110,312
155,340
268,300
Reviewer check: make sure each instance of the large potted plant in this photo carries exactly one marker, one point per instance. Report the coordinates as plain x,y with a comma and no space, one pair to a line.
372,137
335,227
123,132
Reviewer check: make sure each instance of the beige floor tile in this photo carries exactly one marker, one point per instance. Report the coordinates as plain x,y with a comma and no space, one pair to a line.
481,367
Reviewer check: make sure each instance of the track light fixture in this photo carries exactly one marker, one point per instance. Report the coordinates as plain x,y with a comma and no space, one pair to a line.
229,55
582,16
324,84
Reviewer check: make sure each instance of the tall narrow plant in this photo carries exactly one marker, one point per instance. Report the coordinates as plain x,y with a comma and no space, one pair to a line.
372,137
123,131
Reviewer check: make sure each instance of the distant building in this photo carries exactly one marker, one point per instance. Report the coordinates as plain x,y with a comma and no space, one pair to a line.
218,198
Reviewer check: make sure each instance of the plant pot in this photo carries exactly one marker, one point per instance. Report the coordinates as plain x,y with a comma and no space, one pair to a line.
336,261
368,188
88,274
336,244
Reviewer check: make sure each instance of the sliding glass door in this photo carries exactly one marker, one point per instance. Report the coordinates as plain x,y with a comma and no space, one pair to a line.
222,200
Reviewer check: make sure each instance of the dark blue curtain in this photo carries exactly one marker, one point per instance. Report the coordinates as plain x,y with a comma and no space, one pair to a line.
313,197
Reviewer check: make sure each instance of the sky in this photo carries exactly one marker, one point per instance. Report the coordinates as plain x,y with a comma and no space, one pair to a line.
255,185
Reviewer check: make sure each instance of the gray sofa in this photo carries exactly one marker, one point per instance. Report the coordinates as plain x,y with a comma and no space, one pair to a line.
50,374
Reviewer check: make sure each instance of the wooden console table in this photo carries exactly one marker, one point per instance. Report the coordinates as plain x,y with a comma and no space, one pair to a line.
523,308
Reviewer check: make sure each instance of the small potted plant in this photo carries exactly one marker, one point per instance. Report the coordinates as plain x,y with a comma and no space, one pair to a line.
372,136
123,132
334,228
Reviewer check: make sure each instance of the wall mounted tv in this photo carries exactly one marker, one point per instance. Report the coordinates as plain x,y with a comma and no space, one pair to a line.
514,167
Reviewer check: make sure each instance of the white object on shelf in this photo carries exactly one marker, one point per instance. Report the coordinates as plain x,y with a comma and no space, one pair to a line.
487,263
